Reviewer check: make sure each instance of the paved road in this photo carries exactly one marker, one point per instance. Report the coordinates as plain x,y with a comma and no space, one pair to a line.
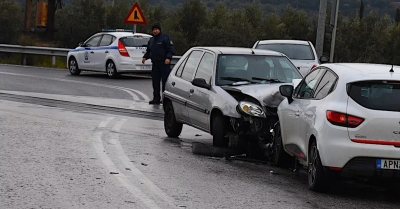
58,81
70,157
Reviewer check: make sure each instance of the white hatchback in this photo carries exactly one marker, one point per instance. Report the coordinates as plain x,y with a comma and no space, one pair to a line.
301,53
342,120
113,52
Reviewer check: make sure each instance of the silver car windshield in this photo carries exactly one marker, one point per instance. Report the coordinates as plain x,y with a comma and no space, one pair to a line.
236,68
293,51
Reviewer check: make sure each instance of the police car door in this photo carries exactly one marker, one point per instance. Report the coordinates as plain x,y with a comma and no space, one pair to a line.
100,55
86,56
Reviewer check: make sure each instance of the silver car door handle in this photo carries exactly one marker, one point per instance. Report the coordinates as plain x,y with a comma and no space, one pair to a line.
92,52
106,51
297,114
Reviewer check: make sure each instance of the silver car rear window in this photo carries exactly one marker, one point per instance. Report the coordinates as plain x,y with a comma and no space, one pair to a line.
376,95
293,51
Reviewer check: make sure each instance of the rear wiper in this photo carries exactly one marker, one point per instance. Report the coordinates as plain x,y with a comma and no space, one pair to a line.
236,79
268,79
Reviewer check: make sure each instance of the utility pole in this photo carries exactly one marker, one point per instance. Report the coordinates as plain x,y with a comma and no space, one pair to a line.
51,10
321,27
335,12
28,13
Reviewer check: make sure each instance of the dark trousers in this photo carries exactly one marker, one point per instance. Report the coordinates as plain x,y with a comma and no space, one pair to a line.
159,72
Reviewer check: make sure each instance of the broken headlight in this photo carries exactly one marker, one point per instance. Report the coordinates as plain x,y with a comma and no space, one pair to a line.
251,109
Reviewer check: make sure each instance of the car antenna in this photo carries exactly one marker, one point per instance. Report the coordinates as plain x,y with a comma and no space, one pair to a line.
252,52
391,70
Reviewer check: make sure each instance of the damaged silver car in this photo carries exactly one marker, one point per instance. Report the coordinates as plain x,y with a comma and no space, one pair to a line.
231,93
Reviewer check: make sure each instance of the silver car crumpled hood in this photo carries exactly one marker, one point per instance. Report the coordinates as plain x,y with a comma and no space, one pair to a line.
266,94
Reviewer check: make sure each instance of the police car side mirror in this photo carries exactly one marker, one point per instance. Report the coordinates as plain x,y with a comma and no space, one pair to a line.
80,44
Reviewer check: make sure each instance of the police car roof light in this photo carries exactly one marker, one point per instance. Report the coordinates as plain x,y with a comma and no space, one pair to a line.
116,30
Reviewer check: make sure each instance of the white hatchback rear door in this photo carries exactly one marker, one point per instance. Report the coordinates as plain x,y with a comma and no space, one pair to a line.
374,109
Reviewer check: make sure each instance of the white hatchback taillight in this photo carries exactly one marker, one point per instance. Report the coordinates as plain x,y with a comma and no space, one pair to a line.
342,119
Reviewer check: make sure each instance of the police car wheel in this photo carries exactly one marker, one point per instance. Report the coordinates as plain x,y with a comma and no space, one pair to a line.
111,70
73,67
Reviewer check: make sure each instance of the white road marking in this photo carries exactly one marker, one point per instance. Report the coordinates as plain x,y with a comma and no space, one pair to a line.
104,123
132,92
98,145
135,171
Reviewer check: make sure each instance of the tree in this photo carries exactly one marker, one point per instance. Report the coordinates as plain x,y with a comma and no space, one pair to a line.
192,18
296,22
397,15
11,20
361,12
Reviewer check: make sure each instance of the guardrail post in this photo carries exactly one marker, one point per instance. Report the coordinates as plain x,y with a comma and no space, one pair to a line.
23,59
53,60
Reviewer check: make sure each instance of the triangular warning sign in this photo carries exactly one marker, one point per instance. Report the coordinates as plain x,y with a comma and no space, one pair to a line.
135,16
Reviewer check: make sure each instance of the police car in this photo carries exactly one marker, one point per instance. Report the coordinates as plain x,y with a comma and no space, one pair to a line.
113,51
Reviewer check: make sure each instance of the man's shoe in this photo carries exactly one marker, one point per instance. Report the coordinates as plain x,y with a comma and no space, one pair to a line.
154,102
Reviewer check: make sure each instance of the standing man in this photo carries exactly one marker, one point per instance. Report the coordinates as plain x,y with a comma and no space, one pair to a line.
160,50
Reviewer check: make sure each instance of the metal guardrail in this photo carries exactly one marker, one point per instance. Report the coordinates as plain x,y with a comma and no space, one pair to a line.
36,50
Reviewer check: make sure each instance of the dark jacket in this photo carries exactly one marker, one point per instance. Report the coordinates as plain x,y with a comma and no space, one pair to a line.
159,48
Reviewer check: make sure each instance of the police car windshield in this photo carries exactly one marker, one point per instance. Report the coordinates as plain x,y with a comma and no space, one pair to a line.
135,41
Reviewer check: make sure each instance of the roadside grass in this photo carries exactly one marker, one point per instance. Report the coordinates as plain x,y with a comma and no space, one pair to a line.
32,59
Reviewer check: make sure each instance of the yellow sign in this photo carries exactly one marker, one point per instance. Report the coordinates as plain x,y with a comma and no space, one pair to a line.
41,14
135,16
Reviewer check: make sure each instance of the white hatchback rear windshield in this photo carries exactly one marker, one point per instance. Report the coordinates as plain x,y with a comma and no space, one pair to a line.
376,95
135,41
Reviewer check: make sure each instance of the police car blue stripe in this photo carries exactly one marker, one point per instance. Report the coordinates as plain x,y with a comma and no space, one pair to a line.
95,48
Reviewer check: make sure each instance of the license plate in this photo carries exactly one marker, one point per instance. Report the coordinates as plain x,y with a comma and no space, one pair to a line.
388,164
145,67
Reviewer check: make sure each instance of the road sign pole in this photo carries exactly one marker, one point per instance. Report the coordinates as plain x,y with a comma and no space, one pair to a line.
321,27
334,31
134,28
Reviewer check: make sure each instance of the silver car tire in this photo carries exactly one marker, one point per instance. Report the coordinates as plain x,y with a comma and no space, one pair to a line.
218,127
172,127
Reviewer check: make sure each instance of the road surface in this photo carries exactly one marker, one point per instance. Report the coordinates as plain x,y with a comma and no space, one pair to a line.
94,142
